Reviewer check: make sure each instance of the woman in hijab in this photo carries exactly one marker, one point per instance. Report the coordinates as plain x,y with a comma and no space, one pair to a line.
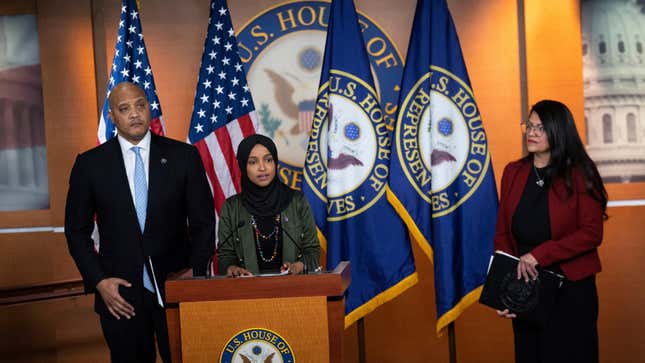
268,227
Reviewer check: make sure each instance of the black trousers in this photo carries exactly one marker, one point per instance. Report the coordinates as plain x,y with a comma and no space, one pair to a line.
133,340
570,336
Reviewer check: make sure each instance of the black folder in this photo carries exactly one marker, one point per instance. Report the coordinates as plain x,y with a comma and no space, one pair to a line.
531,301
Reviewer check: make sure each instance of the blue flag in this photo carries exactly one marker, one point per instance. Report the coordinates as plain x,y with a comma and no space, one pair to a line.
346,169
441,178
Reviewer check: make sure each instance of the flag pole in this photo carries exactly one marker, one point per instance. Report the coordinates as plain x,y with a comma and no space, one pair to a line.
360,327
452,345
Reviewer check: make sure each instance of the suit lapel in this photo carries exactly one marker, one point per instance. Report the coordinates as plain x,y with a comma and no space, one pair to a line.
157,166
289,249
557,207
120,188
519,182
247,239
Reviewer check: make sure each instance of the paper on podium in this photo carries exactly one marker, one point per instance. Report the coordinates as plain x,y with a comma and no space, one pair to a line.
269,274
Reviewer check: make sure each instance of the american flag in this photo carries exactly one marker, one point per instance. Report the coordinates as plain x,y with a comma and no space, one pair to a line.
223,113
130,64
306,115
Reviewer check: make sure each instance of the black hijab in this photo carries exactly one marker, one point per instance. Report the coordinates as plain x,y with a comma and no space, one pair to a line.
262,201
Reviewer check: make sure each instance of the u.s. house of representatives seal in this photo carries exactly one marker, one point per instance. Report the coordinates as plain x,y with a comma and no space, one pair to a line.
282,49
349,151
257,345
519,296
441,142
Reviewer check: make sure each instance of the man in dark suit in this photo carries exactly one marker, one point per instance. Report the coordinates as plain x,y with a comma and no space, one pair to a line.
155,215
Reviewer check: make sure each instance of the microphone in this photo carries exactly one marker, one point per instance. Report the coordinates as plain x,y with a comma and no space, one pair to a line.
298,246
239,225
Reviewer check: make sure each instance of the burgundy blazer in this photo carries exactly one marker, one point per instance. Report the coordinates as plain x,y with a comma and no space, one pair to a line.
576,223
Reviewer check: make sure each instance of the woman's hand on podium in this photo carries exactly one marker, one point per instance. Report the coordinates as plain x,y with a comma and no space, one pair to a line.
236,271
294,268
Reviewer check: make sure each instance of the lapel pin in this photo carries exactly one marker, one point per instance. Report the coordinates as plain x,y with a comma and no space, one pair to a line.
163,160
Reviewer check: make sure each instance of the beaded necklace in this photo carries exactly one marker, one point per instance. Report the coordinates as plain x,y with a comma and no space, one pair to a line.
259,235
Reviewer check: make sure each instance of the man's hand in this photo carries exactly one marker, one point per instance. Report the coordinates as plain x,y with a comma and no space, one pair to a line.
236,271
294,268
109,290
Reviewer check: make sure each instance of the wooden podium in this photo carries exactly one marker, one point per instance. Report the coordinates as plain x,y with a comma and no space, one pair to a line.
300,317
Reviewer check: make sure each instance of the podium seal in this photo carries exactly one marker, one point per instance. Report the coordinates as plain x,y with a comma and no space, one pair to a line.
257,345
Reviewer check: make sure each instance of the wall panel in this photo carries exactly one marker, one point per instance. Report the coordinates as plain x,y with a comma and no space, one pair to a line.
65,33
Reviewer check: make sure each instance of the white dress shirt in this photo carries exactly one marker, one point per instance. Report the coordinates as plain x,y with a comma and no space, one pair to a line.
129,159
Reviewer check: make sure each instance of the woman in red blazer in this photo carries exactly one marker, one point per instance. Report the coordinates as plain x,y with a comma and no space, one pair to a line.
551,212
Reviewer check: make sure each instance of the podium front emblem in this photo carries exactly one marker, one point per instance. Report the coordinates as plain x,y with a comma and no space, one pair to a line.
257,345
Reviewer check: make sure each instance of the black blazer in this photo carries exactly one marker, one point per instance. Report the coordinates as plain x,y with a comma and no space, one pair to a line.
178,196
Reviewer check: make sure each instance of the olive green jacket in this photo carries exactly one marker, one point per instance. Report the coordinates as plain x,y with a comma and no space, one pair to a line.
237,241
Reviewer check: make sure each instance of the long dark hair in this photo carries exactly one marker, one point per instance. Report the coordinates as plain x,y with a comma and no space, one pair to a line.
567,151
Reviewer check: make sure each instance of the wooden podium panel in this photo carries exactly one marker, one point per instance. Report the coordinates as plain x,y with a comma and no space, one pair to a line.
300,321
305,311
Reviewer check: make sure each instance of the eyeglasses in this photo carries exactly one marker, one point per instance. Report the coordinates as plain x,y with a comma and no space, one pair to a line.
527,127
